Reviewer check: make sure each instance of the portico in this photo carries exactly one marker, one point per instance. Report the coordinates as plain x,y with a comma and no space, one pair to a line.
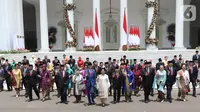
50,12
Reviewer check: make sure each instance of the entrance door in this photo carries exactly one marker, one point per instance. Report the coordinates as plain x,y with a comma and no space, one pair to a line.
111,37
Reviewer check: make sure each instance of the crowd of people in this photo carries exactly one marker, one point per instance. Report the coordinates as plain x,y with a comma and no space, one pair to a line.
124,77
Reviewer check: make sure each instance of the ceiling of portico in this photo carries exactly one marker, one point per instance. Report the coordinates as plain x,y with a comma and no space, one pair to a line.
87,4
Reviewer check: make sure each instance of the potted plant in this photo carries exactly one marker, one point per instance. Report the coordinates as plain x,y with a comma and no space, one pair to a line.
171,34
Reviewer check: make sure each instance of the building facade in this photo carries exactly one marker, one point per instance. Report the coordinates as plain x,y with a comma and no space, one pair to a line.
25,23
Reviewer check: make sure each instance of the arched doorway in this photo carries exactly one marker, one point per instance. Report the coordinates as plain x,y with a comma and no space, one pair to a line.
30,26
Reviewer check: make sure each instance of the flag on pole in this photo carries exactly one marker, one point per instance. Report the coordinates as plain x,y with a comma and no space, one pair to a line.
91,37
137,36
131,36
125,22
96,28
124,31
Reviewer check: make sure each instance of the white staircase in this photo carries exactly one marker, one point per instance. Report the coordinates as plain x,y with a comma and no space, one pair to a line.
103,55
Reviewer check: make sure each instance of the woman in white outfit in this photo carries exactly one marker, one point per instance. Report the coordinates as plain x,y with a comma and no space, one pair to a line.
103,85
78,81
183,81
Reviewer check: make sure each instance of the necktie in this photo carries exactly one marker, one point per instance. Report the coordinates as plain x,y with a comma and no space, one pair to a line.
63,74
171,71
31,73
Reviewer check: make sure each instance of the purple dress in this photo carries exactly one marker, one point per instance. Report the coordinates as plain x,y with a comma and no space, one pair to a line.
45,80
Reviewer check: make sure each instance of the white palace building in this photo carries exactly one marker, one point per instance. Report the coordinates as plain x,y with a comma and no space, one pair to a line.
25,24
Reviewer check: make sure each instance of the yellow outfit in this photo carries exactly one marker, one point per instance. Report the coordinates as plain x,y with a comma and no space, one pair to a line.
18,77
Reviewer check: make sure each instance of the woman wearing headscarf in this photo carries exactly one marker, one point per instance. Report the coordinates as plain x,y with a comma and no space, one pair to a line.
17,79
45,81
183,81
70,73
137,79
79,86
103,85
50,68
128,83
33,61
80,62
159,80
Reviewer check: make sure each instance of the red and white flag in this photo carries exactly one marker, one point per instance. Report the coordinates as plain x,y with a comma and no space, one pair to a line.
96,34
131,36
124,33
137,36
91,37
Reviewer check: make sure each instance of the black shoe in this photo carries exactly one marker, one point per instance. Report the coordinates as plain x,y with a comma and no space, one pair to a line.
146,101
29,100
114,102
170,101
103,105
194,95
66,102
130,100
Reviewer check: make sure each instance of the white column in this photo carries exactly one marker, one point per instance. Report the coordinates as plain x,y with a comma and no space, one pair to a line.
20,20
44,26
123,33
71,19
179,25
153,34
97,16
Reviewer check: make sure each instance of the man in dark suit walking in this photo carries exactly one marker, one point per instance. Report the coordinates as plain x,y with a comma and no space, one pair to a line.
63,83
171,79
31,77
147,74
193,71
196,56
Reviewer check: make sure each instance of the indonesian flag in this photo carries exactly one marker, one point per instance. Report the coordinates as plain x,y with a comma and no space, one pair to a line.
125,23
96,34
137,36
87,33
131,36
124,33
91,37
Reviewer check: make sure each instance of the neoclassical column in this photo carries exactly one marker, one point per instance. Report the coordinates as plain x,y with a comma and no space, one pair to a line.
123,24
179,25
20,21
71,19
153,34
44,26
97,23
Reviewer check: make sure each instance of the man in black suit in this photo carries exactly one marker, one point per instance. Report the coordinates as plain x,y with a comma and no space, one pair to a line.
193,71
196,56
171,79
8,70
46,60
147,74
25,60
63,84
31,76
126,62
176,63
159,63
71,62
117,85
24,69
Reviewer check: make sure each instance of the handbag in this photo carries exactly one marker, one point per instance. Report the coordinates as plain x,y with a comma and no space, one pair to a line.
81,87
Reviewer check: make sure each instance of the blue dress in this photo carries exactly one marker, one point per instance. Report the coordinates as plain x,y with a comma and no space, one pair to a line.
70,73
130,77
158,80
